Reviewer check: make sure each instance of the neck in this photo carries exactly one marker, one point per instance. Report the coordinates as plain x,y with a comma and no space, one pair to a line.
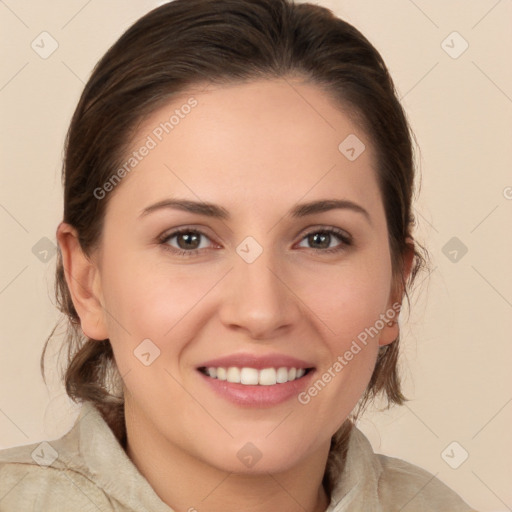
186,483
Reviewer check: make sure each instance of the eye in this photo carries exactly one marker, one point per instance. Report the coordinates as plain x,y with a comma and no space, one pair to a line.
324,236
188,241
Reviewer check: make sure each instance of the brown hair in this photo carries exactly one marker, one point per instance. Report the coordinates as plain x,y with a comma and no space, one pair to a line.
187,42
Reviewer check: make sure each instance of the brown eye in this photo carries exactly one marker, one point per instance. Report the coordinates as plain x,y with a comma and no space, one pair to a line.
187,242
321,240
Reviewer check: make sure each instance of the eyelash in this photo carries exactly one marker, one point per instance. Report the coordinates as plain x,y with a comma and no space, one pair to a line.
338,233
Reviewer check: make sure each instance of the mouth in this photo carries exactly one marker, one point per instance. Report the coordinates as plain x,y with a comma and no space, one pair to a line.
253,376
256,380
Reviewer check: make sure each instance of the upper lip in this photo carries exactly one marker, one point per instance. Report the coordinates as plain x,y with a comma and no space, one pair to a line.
256,361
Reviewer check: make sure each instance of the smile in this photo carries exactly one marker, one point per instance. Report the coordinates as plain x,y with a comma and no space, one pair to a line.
253,376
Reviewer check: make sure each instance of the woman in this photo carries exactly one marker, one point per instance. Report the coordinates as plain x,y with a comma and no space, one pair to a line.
235,248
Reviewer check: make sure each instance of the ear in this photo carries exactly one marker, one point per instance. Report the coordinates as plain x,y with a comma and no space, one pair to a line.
390,332
83,280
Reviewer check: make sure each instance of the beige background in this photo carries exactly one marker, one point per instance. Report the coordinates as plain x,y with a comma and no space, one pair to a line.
457,348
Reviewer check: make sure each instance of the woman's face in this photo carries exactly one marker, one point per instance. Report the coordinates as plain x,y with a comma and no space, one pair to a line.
265,277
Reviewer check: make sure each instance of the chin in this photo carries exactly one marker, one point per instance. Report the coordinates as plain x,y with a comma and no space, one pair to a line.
256,457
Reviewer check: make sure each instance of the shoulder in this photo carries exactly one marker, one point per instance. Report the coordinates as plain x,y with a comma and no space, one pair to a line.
365,480
415,488
48,475
29,483
372,481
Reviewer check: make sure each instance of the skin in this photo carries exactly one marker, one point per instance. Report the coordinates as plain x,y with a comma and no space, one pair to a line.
256,149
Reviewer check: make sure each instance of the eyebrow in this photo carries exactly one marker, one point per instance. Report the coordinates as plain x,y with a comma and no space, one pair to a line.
218,212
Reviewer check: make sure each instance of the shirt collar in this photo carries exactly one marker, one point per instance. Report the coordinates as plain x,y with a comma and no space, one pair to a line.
357,486
109,465
111,469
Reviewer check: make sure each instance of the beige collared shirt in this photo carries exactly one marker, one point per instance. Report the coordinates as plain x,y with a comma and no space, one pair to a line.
87,470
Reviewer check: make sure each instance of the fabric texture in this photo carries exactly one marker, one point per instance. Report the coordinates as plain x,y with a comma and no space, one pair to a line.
87,470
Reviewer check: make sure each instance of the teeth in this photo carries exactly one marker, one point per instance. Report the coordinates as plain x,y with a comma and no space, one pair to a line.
282,375
233,374
253,377
268,377
248,376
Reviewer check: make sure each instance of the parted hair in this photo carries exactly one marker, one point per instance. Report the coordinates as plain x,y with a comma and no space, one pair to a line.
188,42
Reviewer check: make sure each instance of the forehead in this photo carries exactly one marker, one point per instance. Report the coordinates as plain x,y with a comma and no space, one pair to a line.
263,143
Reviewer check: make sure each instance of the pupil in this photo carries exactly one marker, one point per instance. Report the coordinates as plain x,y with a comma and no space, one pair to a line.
324,237
188,237
321,238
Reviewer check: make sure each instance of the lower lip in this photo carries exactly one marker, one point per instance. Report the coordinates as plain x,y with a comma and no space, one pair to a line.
258,396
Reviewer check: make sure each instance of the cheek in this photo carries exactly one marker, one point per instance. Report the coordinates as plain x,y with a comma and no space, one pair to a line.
144,300
349,298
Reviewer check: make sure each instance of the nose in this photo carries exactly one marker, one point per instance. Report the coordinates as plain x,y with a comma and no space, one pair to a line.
258,300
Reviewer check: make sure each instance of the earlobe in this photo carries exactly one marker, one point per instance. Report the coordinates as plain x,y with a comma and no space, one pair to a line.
83,280
389,333
391,329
